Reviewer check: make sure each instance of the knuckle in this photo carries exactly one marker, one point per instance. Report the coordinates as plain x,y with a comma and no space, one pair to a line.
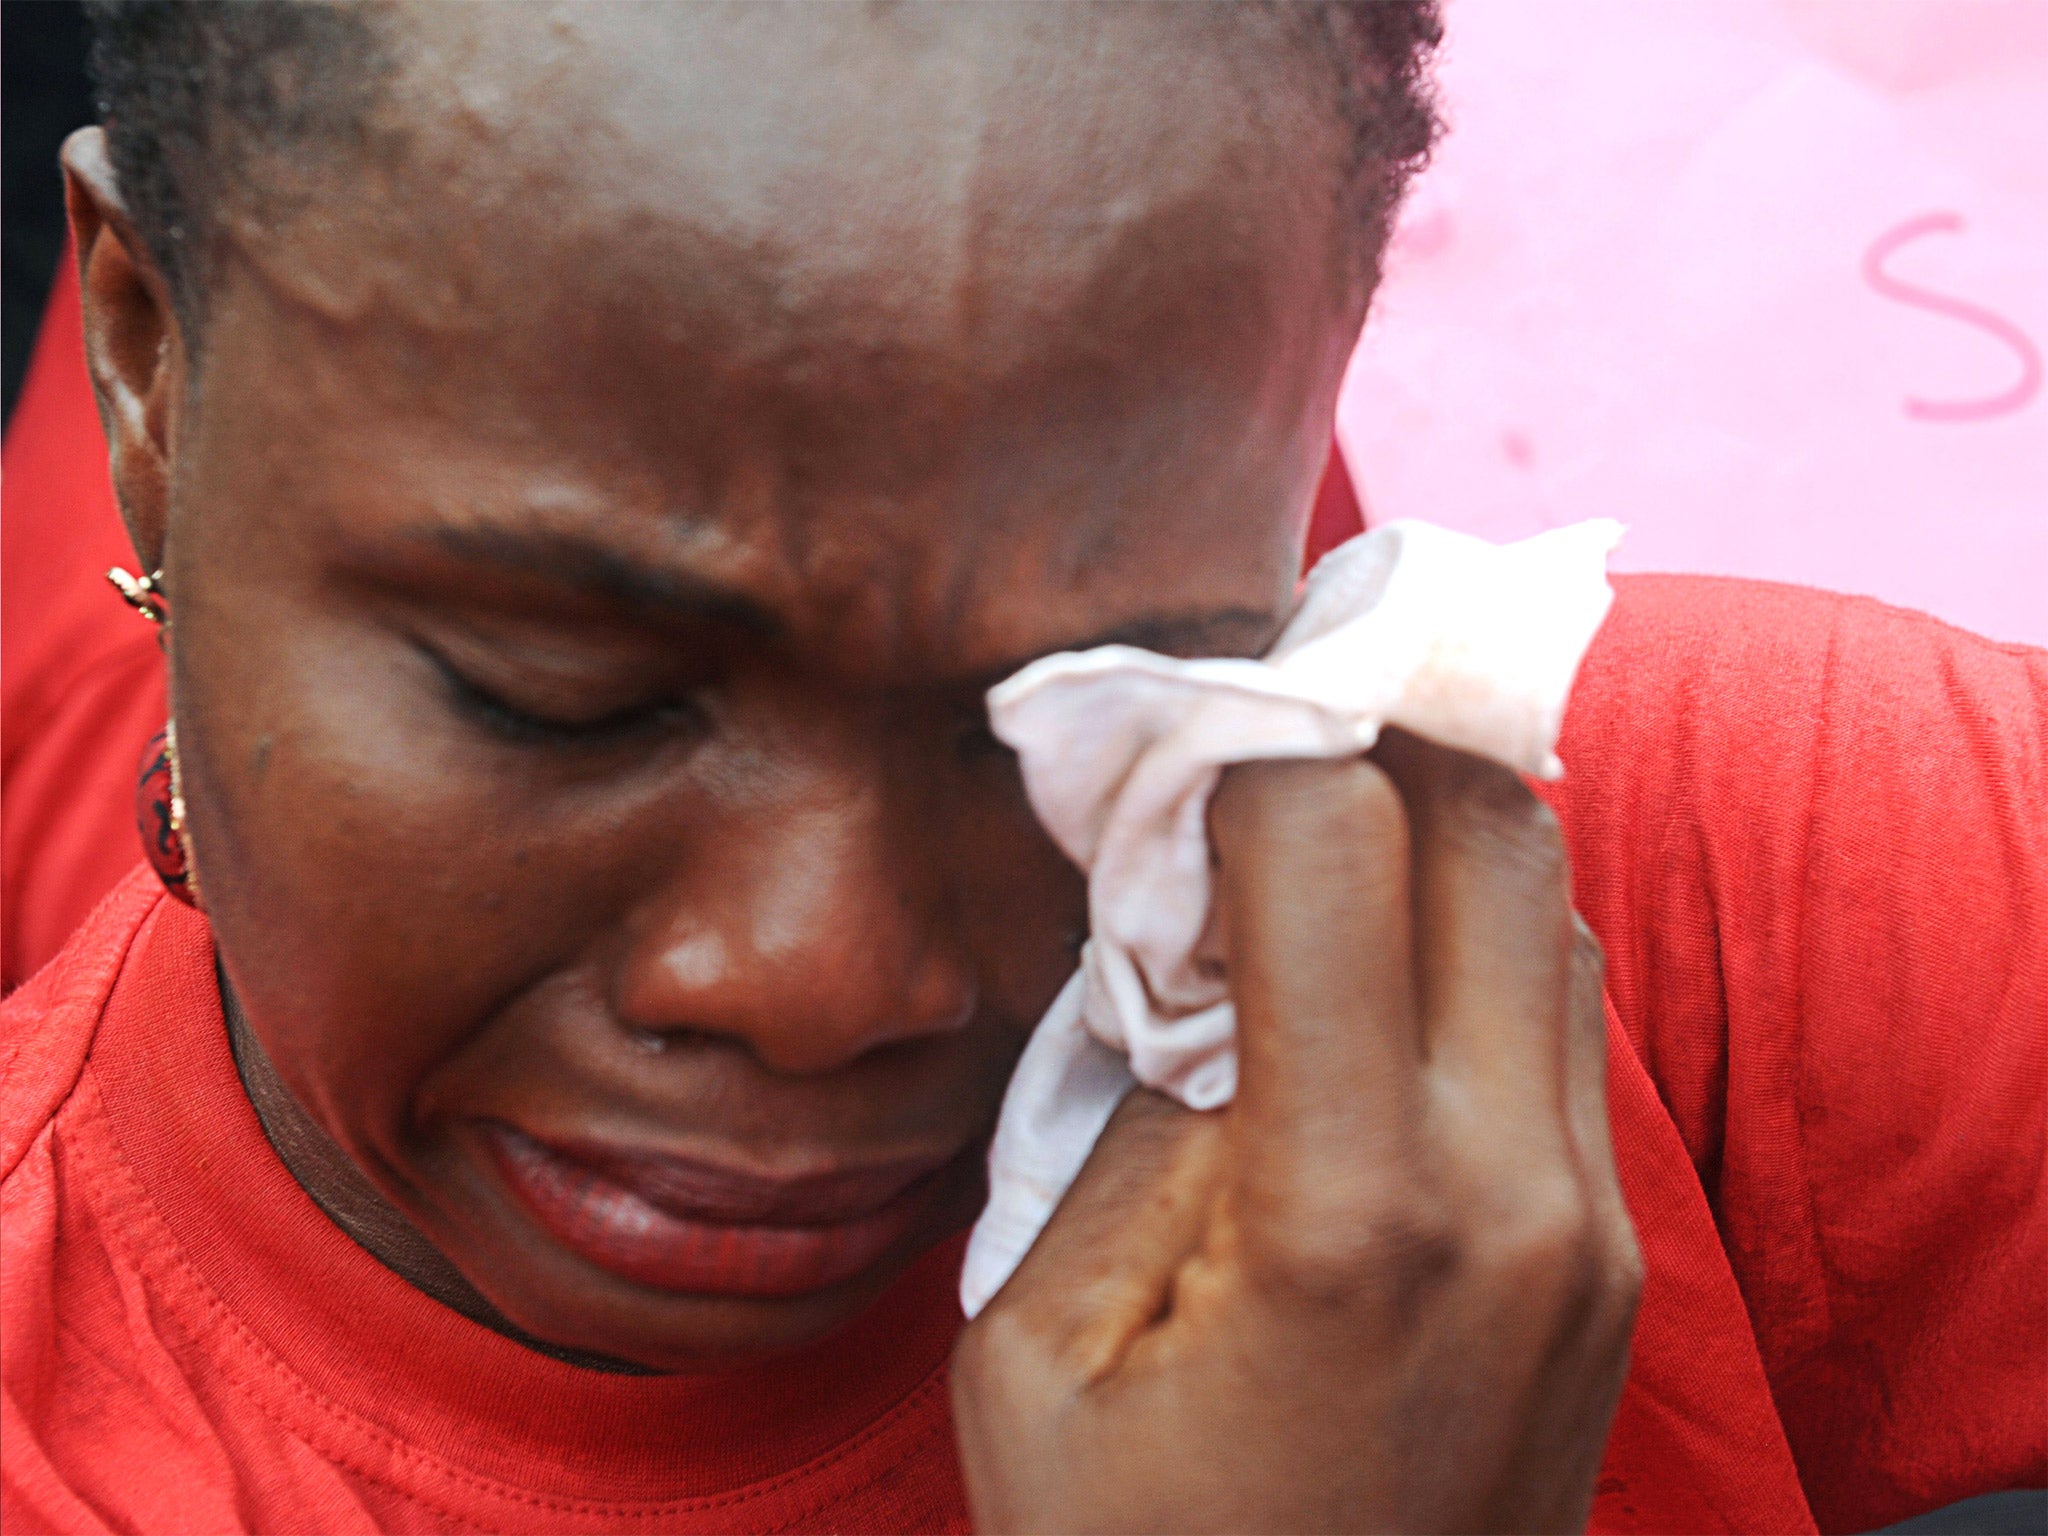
1624,1269
1506,818
1602,1307
1314,798
1536,837
1552,1239
1587,951
1400,1246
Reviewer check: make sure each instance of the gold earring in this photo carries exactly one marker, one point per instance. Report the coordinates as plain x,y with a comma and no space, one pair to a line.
145,594
160,791
177,778
160,817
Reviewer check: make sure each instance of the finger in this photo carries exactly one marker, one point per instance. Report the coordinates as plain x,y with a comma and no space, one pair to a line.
1585,1061
1103,1268
1493,939
1592,1370
1586,1048
1313,890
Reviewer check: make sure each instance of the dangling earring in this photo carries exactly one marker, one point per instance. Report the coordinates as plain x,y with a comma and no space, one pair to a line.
160,789
160,815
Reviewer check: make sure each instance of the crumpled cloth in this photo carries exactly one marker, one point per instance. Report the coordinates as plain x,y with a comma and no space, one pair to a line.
1469,644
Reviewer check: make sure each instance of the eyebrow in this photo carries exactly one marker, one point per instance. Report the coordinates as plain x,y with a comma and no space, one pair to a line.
586,565
601,570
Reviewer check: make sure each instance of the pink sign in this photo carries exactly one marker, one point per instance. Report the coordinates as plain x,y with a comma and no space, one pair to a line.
1766,280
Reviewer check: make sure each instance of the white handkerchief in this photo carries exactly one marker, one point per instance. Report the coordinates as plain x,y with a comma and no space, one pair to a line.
1469,644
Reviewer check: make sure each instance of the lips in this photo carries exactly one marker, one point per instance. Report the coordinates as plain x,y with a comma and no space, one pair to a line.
678,1225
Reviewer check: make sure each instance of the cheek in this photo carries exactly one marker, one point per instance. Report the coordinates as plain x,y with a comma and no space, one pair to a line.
379,881
386,882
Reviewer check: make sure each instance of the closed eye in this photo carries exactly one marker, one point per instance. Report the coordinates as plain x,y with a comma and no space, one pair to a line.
510,722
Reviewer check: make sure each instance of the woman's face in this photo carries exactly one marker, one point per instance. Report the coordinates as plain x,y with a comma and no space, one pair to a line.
594,526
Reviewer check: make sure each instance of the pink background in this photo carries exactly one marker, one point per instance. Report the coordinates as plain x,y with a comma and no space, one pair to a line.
1767,280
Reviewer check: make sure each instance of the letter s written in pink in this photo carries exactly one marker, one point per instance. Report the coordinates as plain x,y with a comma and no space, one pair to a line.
2023,389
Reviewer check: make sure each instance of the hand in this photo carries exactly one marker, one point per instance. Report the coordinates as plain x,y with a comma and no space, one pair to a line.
1390,1287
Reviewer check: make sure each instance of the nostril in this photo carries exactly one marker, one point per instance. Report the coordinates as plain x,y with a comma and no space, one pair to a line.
672,984
808,975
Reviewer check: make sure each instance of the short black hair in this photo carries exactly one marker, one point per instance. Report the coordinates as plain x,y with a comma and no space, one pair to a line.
190,90
1378,54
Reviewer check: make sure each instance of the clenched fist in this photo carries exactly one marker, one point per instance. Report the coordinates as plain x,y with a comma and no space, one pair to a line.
1390,1286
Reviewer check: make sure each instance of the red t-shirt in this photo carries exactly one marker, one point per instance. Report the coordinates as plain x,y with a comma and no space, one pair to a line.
1812,833
81,681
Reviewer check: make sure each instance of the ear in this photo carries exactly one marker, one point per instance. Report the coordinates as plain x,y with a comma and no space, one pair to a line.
134,348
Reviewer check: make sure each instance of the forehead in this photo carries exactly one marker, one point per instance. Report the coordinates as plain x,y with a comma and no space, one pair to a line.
891,305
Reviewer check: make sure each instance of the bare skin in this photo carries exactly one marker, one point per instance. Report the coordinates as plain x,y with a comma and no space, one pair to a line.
589,534
1391,1286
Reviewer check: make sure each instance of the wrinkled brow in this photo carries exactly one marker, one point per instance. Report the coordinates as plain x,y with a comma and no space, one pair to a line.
589,566
592,567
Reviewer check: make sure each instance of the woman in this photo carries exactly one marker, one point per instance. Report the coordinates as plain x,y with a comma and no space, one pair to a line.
597,460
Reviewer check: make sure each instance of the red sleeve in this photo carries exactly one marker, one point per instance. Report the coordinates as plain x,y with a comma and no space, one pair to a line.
81,681
1812,833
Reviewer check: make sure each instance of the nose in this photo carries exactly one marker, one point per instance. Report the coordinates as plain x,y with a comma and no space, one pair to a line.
812,934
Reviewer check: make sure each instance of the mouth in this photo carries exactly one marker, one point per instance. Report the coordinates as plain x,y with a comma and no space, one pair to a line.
677,1225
